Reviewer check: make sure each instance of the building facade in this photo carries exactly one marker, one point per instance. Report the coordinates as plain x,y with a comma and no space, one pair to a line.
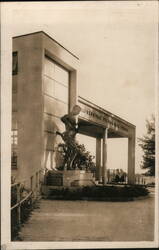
45,80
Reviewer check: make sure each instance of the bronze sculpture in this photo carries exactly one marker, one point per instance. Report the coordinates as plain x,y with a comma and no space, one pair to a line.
68,136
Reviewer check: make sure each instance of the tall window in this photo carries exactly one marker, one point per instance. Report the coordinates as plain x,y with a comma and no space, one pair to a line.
14,135
14,142
56,104
15,63
56,81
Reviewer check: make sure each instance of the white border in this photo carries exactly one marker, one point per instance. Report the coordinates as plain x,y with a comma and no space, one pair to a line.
6,83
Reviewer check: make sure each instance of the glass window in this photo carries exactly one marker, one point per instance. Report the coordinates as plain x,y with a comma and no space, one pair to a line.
56,85
49,86
49,68
14,160
15,63
61,92
14,137
54,106
61,75
14,141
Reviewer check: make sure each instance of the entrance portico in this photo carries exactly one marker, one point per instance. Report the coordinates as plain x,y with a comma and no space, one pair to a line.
49,79
101,124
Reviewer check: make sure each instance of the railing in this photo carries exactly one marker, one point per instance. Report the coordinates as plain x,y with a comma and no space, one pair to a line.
19,203
20,208
140,180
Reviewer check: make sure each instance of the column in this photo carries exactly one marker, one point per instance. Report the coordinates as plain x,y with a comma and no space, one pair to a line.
104,169
131,159
98,159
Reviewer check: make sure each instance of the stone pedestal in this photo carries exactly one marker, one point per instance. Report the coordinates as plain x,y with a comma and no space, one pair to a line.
67,178
71,176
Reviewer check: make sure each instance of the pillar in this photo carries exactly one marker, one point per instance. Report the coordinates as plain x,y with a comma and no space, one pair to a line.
104,169
131,159
98,159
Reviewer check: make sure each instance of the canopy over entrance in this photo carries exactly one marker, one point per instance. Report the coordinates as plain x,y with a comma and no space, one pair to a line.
93,120
97,122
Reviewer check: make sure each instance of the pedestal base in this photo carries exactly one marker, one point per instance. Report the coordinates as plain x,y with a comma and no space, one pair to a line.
68,178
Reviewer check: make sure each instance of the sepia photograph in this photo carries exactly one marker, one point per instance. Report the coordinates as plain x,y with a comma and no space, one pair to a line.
79,119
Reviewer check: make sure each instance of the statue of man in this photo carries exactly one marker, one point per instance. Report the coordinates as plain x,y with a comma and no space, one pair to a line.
71,125
68,136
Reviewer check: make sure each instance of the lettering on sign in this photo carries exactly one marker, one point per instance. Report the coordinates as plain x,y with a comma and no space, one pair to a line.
103,119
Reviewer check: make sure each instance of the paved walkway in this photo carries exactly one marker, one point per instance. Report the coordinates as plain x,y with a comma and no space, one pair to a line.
91,221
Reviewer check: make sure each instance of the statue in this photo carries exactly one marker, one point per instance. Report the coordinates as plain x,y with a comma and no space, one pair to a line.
71,129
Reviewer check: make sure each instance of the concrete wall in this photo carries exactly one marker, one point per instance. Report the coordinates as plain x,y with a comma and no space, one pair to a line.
38,104
29,107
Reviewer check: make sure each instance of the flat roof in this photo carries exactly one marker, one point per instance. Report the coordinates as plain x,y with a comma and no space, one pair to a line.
98,108
37,32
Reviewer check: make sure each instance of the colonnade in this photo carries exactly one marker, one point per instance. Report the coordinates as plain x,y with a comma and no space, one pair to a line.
101,158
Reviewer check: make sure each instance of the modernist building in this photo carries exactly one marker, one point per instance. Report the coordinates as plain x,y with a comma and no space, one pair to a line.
45,79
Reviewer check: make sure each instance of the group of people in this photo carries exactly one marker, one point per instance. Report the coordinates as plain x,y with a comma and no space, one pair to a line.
117,175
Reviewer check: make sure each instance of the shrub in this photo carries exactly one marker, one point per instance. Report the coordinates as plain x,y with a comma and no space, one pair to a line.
75,156
98,193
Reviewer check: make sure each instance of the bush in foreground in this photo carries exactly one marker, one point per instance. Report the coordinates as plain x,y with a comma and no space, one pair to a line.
103,193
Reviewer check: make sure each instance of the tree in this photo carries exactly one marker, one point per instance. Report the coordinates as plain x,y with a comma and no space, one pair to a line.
147,143
75,156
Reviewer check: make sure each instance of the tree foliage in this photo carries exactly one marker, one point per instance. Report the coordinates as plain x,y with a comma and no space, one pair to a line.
76,156
147,143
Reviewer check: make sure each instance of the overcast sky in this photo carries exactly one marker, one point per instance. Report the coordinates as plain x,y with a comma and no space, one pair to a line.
117,46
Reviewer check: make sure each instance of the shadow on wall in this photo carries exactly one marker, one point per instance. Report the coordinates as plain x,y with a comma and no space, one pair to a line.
52,157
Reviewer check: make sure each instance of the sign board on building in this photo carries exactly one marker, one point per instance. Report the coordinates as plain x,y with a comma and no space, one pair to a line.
102,118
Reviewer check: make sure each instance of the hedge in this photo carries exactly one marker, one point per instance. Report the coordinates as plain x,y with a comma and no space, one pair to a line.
103,193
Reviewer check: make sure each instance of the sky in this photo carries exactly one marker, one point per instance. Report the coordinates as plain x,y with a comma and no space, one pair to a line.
117,46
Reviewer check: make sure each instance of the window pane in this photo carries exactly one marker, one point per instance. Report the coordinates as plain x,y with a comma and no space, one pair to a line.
49,68
49,86
61,75
14,121
15,63
15,132
54,107
61,92
14,160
